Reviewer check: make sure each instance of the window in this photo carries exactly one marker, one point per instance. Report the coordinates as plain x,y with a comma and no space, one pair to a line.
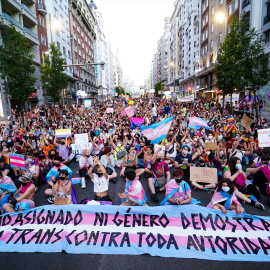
80,53
74,36
79,40
41,21
55,12
220,38
64,51
63,35
62,19
67,26
235,4
204,6
212,28
230,9
267,36
221,2
203,36
206,34
68,40
60,3
78,29
43,40
213,11
206,2
203,21
82,45
206,18
66,10
211,44
58,45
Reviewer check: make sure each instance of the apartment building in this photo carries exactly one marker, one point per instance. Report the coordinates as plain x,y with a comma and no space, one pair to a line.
216,17
83,37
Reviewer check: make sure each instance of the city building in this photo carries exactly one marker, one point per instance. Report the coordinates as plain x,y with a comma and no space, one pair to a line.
23,16
82,39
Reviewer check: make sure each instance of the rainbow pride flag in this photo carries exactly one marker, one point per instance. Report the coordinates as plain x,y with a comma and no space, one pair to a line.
163,101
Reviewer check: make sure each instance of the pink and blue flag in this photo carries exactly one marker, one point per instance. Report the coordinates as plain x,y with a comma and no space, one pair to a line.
157,132
197,123
17,160
136,121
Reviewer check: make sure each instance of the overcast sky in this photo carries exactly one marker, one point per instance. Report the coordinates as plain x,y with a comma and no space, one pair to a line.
134,27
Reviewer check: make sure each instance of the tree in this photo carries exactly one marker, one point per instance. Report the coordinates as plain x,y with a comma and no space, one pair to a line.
254,62
228,69
120,90
16,64
159,87
53,77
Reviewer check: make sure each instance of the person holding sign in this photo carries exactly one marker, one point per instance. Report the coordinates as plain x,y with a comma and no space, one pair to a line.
177,191
63,149
85,162
224,198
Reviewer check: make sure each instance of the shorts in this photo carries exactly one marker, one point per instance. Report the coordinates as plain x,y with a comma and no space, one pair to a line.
24,205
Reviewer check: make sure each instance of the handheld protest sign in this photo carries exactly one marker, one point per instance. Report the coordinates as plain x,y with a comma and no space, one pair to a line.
203,174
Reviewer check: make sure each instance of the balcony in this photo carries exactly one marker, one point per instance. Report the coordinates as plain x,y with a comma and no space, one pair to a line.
245,3
12,5
8,21
31,36
75,3
266,19
28,15
42,9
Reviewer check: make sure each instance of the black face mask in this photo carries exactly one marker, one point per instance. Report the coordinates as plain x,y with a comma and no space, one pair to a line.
178,180
56,165
62,178
265,163
201,161
159,159
24,184
87,156
62,143
99,174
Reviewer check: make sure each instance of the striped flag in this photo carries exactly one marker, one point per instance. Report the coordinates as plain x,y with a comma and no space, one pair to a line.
197,123
17,160
157,132
136,121
62,133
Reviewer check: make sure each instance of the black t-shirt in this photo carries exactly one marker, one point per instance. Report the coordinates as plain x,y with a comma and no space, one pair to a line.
11,173
180,159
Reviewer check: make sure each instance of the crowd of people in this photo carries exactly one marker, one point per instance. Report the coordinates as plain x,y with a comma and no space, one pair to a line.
243,171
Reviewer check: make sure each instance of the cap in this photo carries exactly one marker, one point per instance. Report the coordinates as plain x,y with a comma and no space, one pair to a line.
25,176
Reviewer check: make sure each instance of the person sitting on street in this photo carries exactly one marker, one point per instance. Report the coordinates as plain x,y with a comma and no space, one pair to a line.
85,162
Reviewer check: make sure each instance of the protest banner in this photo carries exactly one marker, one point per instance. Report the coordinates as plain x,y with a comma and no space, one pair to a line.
17,160
183,231
78,148
62,133
264,137
210,146
123,113
109,110
203,174
246,122
81,138
129,111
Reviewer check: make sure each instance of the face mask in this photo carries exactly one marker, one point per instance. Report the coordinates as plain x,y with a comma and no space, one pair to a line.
220,137
184,152
99,174
62,178
87,156
9,141
195,140
57,165
119,144
203,131
207,153
265,163
236,137
238,166
186,140
24,184
132,154
225,189
201,161
210,137
62,143
159,159
29,160
178,180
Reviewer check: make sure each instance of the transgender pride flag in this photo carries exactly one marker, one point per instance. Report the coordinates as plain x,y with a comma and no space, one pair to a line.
197,123
157,132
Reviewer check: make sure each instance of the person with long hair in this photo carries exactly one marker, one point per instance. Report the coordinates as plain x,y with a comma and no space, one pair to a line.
225,199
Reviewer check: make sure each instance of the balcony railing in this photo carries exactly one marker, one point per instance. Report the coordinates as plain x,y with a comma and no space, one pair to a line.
7,17
266,19
29,10
42,8
245,3
30,32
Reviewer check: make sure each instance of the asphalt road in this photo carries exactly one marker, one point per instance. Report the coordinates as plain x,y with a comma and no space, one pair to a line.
103,262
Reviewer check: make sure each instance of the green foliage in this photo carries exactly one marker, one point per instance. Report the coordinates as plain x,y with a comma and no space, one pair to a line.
120,90
53,77
159,87
16,63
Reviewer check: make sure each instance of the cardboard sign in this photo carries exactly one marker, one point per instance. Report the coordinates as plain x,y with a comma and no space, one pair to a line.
264,137
203,174
62,133
210,146
246,122
123,113
78,148
129,111
81,138
109,110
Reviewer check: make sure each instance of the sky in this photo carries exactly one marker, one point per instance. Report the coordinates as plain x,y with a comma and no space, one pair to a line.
134,27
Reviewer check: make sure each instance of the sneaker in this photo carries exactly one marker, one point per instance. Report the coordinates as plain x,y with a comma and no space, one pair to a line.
259,205
83,184
50,200
154,197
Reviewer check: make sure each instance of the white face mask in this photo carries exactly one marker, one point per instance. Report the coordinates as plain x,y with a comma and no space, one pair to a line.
203,131
226,189
208,153
186,140
119,144
195,140
210,137
220,137
184,152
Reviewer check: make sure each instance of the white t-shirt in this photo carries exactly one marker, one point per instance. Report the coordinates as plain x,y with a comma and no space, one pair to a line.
154,111
157,146
88,162
237,153
100,184
173,154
